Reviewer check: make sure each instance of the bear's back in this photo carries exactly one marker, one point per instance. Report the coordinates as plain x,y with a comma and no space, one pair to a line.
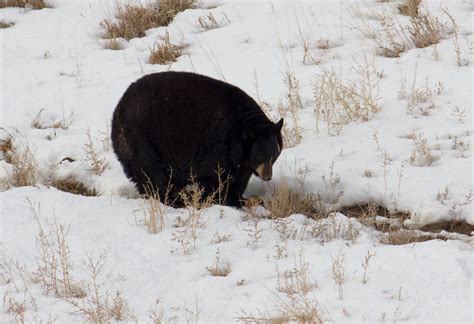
189,118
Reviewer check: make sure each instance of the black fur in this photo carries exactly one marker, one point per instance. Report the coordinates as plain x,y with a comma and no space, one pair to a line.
171,125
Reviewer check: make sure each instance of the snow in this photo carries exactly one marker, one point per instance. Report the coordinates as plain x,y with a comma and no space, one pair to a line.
54,68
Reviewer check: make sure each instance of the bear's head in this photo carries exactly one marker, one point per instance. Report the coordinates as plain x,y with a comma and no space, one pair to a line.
264,145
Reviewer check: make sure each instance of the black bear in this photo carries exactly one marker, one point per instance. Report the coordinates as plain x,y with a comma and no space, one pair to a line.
170,127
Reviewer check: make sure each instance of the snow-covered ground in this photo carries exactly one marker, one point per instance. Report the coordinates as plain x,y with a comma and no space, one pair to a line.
55,69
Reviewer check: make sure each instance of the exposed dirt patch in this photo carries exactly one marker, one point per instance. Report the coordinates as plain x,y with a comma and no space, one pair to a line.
73,186
376,216
460,226
391,224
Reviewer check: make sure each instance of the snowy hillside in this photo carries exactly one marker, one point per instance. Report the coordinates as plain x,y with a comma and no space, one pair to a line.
369,215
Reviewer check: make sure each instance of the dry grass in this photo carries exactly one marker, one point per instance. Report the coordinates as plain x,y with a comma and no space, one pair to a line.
284,201
63,122
22,160
219,268
98,306
71,185
5,24
404,236
425,30
337,273
393,36
164,52
113,44
297,306
410,8
54,265
296,280
33,4
6,148
461,60
190,223
97,163
338,103
421,155
291,132
208,22
15,309
24,167
133,20
154,208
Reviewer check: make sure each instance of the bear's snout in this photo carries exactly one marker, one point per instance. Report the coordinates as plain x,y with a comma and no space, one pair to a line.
264,170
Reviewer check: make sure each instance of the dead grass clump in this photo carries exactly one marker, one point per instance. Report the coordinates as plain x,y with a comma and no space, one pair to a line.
220,268
24,171
165,52
154,208
392,38
338,103
133,20
33,4
404,236
284,201
410,8
425,30
73,186
113,44
6,148
5,24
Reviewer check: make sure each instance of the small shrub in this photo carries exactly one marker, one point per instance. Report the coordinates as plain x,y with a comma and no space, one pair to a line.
33,4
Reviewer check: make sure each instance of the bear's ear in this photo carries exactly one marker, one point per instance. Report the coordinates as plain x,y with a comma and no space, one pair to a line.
279,125
248,135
